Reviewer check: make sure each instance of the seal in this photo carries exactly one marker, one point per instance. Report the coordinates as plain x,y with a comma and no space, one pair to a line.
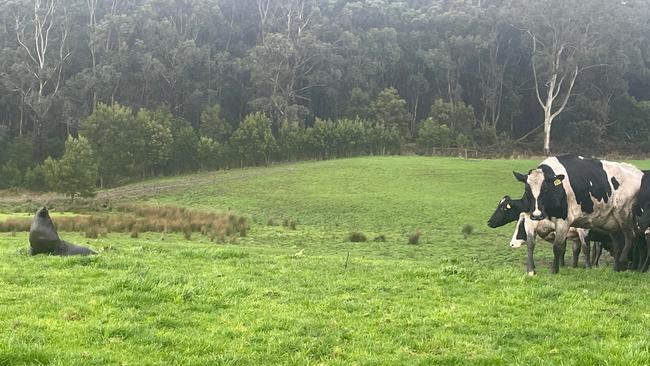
43,238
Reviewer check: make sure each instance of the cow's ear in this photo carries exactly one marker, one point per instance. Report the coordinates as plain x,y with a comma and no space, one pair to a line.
558,179
520,177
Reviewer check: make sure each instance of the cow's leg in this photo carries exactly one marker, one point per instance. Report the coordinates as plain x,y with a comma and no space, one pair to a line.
530,261
559,245
646,263
576,252
598,253
621,262
640,245
584,242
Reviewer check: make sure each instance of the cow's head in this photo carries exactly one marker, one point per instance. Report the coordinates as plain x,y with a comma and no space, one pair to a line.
544,191
507,211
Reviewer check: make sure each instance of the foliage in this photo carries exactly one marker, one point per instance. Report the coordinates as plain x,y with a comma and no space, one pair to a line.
156,134
458,117
208,153
254,140
466,64
214,125
389,111
75,173
433,134
113,133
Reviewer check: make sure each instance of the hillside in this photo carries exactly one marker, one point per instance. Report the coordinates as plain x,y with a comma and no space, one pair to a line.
309,296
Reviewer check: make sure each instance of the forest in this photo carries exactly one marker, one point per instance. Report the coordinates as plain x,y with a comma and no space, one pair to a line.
95,93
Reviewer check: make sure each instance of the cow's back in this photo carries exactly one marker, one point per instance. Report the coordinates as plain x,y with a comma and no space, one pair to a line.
599,193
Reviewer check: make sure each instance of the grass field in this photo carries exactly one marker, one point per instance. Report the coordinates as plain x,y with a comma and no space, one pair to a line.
308,296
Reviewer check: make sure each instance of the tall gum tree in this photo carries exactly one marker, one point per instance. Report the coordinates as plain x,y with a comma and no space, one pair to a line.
564,39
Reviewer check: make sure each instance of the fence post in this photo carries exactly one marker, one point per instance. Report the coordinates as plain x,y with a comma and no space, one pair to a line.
465,154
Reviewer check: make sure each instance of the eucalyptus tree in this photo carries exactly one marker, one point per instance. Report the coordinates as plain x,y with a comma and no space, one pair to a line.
565,37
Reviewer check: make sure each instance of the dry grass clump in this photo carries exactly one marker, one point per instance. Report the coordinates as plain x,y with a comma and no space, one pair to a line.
142,218
468,229
415,237
357,237
380,238
290,223
15,225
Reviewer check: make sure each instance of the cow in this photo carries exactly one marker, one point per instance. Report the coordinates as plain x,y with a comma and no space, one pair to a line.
642,216
585,193
508,210
528,228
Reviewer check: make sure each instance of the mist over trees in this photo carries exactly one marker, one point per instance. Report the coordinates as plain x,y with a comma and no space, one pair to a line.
167,86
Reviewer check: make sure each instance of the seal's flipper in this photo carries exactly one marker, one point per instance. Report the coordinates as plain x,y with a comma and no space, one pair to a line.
74,249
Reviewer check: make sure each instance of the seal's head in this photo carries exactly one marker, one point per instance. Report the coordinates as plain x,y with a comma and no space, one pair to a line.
43,213
43,219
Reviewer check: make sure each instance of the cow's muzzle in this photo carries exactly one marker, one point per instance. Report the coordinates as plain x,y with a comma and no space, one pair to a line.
537,217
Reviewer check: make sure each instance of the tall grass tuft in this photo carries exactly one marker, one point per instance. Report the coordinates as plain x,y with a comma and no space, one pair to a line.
415,237
357,237
468,229
135,219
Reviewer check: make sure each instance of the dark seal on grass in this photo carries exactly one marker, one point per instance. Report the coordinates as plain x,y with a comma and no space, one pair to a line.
43,238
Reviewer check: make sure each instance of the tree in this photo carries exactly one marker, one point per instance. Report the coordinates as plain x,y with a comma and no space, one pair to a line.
183,155
254,140
292,141
433,134
358,104
459,117
75,174
156,134
214,126
564,38
389,110
116,138
208,153
41,31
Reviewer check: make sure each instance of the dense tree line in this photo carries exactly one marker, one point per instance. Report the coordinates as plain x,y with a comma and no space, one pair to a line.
166,86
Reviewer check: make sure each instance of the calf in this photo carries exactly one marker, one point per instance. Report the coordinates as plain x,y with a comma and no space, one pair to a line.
585,193
528,228
509,210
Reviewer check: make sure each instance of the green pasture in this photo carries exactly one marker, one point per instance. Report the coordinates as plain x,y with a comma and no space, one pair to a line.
308,296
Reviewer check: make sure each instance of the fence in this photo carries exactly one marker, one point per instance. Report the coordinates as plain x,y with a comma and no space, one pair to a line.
455,151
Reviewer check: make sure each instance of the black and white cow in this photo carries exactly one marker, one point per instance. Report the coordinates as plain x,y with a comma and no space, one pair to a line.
586,193
642,216
509,210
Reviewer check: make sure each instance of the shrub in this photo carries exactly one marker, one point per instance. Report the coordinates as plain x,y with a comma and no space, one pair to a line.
290,223
92,233
415,237
357,237
380,238
467,230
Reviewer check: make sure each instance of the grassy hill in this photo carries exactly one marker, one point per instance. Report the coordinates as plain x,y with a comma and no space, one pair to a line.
309,296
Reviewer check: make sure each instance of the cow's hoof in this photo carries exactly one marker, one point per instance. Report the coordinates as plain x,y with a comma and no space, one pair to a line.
531,273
